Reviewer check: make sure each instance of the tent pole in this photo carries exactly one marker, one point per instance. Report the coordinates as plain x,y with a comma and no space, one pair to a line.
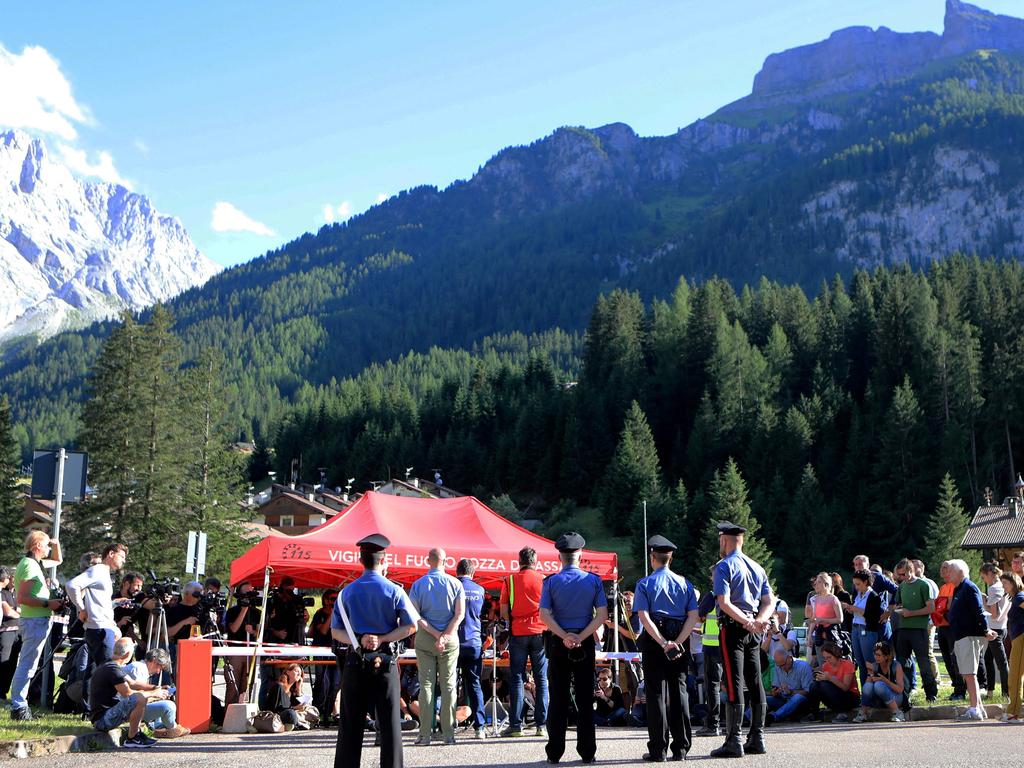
494,678
259,636
615,624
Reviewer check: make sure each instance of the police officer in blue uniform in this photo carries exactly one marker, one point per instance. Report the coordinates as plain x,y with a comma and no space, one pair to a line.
745,605
572,605
667,605
371,616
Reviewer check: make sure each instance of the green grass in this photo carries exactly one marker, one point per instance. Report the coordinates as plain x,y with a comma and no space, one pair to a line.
46,725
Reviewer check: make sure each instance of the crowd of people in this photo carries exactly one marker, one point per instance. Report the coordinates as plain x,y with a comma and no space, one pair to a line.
704,658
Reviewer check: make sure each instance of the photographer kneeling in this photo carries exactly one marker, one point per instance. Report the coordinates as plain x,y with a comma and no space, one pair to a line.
115,697
241,622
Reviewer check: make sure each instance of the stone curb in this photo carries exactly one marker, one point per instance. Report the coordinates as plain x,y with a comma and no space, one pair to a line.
95,741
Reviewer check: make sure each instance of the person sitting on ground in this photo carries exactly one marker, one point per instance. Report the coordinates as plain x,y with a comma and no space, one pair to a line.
823,612
609,706
884,686
638,712
161,715
283,697
115,697
835,684
791,684
1014,586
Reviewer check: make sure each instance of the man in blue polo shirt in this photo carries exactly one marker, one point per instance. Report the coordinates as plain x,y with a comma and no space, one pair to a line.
371,616
572,605
667,605
745,603
470,654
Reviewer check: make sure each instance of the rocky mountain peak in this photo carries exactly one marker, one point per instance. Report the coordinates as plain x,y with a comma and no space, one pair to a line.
74,251
856,58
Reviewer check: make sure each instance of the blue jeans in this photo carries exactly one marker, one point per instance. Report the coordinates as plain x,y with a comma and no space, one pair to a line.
519,648
161,714
863,649
34,632
784,708
876,694
117,714
470,665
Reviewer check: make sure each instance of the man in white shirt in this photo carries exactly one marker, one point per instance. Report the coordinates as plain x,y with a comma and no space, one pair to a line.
91,592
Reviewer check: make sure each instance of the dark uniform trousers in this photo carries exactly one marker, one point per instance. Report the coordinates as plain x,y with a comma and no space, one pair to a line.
741,663
668,706
712,683
366,690
576,667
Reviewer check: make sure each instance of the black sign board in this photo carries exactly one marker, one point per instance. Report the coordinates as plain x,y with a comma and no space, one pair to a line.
44,475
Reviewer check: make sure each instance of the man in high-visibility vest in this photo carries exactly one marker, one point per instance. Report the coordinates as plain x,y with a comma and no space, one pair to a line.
707,610
520,608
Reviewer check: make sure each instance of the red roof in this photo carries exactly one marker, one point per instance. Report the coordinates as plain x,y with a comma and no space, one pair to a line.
464,527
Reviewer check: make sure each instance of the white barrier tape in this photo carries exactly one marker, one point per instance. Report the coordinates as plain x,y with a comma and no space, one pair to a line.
290,651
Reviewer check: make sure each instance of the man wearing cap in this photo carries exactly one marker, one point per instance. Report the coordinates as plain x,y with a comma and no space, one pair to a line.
667,605
572,605
371,616
745,603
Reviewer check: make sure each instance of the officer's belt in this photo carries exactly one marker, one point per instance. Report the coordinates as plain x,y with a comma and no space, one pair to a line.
668,626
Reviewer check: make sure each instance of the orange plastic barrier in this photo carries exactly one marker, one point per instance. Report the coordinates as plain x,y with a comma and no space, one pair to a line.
194,683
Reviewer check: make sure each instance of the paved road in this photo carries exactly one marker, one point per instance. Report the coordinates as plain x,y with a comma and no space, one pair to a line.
899,746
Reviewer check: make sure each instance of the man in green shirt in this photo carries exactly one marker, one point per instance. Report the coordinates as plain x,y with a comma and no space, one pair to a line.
36,613
914,606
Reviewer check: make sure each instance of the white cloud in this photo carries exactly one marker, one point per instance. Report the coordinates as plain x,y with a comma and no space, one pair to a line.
342,213
227,218
142,146
381,197
78,161
35,95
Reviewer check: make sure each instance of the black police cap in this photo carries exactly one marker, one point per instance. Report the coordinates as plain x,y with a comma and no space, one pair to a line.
731,529
661,544
375,542
570,542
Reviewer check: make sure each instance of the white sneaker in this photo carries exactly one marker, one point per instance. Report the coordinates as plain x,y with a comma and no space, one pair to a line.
968,715
897,717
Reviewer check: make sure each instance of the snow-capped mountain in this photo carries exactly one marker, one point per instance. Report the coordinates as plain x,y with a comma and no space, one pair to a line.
74,251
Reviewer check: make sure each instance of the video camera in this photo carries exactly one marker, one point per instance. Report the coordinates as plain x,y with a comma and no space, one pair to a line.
293,598
252,599
213,601
159,589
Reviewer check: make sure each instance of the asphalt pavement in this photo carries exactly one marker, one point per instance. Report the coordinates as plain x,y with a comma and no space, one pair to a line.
898,745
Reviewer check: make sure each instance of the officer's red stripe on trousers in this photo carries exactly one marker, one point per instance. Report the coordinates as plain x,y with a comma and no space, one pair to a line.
730,684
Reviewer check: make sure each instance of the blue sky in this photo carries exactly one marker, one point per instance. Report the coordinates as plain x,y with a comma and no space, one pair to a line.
276,110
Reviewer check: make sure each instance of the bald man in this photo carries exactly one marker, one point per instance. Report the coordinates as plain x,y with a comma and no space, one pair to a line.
440,600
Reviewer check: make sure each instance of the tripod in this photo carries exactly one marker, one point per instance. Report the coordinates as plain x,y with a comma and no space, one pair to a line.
158,632
210,629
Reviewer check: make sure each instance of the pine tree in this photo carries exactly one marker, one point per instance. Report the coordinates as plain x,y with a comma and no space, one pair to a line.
946,528
12,508
634,474
727,501
212,470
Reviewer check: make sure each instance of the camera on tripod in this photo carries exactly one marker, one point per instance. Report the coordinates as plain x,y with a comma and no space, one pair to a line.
213,601
160,589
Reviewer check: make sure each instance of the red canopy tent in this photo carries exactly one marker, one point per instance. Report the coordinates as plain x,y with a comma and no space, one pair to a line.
464,527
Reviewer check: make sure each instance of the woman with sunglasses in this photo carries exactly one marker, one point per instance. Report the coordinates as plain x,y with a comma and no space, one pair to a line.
328,676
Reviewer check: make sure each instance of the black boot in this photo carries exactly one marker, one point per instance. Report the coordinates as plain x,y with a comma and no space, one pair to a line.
732,746
755,738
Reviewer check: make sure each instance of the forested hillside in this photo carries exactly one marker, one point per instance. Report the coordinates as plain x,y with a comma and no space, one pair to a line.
906,172
842,412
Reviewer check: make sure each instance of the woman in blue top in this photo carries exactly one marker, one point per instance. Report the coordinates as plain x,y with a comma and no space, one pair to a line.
1014,587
